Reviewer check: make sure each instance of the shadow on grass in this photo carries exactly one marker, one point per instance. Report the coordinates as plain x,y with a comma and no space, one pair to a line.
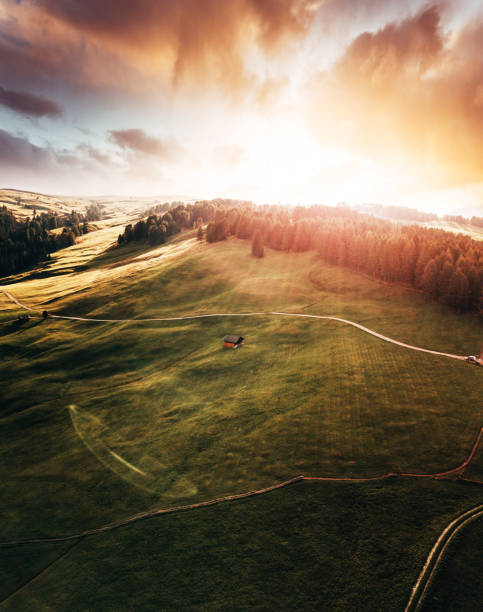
111,257
41,270
119,255
116,255
18,326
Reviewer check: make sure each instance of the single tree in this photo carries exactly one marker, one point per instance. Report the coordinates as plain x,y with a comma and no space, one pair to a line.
257,244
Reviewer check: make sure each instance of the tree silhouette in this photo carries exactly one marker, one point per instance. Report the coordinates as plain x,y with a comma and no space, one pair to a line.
257,244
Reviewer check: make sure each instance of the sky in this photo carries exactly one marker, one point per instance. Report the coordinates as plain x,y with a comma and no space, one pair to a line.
290,101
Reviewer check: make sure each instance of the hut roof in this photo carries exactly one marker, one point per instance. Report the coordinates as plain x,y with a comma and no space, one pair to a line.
233,339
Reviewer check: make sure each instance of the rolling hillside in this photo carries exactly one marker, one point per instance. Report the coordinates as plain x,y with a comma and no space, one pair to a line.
107,420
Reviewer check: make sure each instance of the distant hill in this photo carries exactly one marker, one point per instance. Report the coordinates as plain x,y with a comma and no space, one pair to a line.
472,227
23,203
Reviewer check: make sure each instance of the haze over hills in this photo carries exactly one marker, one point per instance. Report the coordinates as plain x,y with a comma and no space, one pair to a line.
22,203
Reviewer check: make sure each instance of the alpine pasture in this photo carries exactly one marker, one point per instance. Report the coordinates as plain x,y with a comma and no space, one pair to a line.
110,419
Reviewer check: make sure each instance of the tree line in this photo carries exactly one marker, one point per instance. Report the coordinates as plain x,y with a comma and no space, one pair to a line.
477,221
402,213
24,243
159,225
447,267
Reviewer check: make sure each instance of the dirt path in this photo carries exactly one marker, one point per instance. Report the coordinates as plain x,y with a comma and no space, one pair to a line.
435,556
242,314
232,498
145,515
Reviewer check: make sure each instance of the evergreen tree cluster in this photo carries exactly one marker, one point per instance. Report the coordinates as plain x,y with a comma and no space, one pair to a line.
25,242
157,227
447,267
477,221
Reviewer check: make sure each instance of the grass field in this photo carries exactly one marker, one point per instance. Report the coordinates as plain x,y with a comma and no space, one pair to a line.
104,420
334,546
458,584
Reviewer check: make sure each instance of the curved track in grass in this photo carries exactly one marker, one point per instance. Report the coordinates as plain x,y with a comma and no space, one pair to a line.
231,498
435,556
242,314
239,496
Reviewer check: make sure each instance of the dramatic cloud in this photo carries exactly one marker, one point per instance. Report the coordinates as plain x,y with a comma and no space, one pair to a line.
138,141
140,22
290,100
411,92
186,41
408,48
29,104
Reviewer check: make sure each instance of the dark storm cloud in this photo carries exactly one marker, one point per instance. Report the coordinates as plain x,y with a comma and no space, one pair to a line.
29,104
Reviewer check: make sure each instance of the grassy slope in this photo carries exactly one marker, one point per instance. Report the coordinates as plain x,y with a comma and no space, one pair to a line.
300,396
458,584
334,546
468,229
16,200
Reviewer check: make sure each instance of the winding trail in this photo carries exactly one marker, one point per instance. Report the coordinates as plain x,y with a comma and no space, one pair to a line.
233,498
241,314
435,556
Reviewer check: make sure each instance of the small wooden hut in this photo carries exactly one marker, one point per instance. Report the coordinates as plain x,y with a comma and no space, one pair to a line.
230,341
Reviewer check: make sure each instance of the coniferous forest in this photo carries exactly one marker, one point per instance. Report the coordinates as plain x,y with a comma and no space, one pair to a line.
447,267
24,243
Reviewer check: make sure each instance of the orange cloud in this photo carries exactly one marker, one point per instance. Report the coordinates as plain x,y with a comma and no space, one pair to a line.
121,43
412,93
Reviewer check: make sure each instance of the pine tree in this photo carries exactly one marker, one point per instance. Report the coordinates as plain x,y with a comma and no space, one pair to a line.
257,244
211,232
429,280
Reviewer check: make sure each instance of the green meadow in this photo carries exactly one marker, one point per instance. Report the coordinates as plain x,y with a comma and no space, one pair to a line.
311,546
103,420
